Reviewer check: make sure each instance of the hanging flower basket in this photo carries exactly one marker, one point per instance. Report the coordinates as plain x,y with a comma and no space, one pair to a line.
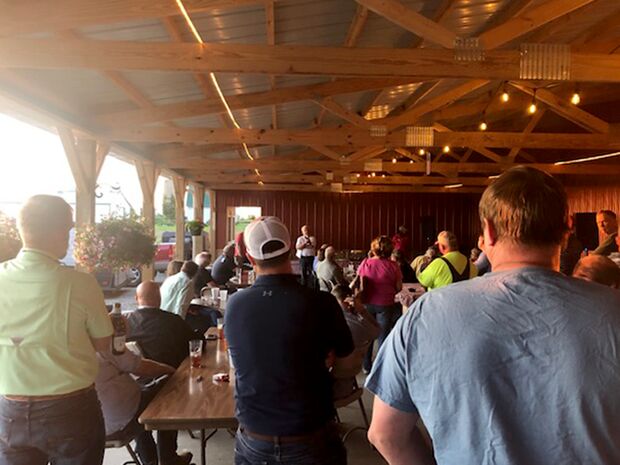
114,243
10,242
195,228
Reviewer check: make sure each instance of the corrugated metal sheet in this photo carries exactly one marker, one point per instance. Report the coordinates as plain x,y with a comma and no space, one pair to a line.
351,221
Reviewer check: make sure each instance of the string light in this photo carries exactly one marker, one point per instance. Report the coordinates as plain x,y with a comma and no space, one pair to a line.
383,175
421,152
446,148
505,97
582,160
411,162
453,186
393,160
373,174
576,98
483,125
357,175
533,108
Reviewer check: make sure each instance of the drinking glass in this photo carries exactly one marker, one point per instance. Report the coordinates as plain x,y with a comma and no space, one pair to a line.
195,352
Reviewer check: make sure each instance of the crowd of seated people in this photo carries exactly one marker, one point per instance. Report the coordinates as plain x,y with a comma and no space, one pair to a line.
520,356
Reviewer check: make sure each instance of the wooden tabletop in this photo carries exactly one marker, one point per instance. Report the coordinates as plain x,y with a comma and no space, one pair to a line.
186,403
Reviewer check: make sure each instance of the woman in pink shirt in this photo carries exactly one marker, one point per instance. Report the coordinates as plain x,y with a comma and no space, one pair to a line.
381,280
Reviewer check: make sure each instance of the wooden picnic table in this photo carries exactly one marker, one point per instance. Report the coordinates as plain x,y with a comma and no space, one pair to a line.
191,400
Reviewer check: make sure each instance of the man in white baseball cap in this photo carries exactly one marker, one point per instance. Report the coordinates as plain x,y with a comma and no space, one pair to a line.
280,333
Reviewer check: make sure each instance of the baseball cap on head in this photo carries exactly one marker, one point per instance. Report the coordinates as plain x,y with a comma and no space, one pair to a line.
263,230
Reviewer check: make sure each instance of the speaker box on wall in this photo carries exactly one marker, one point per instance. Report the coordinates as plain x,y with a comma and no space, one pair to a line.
586,230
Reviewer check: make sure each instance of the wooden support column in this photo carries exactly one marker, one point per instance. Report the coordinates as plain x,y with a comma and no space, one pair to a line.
85,158
213,223
179,185
201,243
148,174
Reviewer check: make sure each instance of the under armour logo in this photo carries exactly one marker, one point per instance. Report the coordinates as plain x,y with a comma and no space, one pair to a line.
267,293
17,340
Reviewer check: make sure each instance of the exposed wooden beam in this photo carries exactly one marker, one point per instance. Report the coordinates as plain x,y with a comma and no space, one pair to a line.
528,21
284,59
329,153
449,168
566,109
345,188
528,130
343,113
240,101
412,21
410,116
366,153
30,16
355,30
349,137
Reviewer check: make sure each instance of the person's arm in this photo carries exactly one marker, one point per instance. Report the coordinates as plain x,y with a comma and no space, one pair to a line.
151,369
396,437
300,243
426,277
339,276
102,344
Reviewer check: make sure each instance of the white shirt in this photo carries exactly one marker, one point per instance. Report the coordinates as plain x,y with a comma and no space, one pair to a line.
176,294
306,251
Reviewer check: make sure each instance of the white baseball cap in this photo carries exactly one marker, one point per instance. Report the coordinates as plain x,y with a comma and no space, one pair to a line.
263,230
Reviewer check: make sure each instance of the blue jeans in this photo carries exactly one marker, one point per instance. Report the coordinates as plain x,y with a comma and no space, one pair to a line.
386,316
325,449
67,431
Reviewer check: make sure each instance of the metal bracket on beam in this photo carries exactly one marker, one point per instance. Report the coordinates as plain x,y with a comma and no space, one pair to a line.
545,61
468,49
419,136
377,130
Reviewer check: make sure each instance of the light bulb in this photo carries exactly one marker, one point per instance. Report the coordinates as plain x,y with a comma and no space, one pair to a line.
383,175
411,162
421,152
357,175
505,97
483,125
393,160
446,148
532,108
575,99
374,174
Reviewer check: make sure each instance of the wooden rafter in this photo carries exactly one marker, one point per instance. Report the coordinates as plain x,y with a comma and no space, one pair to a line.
360,138
528,130
284,59
566,109
249,100
412,21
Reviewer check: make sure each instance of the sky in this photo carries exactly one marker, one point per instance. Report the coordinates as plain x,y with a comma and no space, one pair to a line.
32,161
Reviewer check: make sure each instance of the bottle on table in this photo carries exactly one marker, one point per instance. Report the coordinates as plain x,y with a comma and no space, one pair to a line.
120,330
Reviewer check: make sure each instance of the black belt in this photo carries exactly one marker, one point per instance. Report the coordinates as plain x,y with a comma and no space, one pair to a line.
288,439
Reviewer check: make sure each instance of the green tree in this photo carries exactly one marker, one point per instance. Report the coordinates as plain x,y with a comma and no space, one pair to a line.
169,208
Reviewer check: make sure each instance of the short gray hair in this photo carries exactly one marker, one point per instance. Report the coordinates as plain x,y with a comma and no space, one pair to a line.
42,214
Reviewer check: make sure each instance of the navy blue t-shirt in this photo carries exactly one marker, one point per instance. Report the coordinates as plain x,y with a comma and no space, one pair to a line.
279,334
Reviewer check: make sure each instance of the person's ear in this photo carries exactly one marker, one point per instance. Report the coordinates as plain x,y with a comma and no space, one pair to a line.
489,232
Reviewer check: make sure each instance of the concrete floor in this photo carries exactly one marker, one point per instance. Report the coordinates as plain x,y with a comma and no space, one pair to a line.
220,446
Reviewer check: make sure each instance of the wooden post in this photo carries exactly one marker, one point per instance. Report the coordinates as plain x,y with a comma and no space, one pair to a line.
198,242
85,158
148,174
213,223
179,185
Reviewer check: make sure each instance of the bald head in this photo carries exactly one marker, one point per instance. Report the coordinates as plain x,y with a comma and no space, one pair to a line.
599,269
44,222
330,253
147,294
203,259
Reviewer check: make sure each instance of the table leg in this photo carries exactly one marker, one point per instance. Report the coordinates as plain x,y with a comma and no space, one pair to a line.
203,448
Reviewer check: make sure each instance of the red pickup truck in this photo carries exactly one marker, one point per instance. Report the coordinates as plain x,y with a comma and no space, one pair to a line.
165,250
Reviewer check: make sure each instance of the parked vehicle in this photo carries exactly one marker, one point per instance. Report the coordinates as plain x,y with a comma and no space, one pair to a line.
166,249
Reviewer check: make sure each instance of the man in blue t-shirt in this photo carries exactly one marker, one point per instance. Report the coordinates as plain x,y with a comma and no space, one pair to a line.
517,367
280,335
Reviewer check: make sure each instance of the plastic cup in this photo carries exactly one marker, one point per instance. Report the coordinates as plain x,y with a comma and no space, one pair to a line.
195,352
215,293
223,294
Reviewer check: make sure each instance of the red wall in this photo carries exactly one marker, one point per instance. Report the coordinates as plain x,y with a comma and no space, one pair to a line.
583,199
350,221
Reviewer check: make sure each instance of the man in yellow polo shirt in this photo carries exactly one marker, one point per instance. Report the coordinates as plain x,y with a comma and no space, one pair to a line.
52,321
451,267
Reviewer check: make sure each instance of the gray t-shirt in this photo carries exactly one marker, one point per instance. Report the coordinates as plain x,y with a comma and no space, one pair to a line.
515,367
